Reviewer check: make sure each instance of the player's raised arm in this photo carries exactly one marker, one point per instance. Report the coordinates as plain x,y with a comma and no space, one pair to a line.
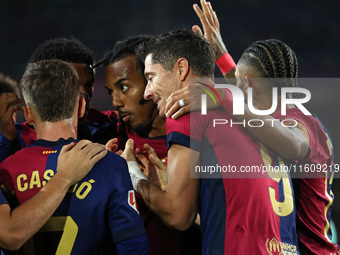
211,28
23,222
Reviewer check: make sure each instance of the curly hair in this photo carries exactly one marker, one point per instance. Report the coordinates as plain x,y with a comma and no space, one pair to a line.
124,48
67,49
7,85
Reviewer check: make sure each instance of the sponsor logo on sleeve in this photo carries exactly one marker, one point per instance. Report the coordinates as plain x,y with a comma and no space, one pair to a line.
132,200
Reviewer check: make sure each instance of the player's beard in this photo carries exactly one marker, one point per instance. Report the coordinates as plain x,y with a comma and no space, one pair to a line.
142,129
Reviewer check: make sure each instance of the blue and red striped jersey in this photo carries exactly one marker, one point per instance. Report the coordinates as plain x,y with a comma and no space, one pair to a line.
242,212
314,197
95,216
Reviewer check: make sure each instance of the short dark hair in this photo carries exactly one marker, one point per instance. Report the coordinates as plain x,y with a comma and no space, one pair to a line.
167,48
7,85
272,58
67,49
127,47
51,87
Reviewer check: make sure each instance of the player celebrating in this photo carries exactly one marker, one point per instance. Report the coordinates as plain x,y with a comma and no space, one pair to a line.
21,223
274,59
100,213
313,191
139,120
230,208
16,136
18,225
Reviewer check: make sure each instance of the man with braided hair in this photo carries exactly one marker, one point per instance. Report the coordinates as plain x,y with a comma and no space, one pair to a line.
275,59
230,208
308,143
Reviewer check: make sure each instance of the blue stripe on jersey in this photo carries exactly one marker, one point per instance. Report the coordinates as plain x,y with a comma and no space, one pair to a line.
287,235
326,132
329,186
213,215
179,138
127,233
3,200
213,206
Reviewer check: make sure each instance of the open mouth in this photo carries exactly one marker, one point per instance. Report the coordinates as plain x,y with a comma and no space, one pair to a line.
158,102
125,116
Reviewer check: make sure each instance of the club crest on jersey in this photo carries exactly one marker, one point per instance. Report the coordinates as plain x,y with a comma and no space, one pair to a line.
132,200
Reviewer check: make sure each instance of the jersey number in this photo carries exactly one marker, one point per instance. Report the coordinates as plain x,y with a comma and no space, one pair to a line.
62,223
287,206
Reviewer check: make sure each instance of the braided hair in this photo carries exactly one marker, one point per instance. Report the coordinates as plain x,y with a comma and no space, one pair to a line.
273,59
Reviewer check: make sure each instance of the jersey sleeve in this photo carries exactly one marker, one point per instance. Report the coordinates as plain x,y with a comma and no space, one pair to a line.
187,131
178,131
135,245
124,218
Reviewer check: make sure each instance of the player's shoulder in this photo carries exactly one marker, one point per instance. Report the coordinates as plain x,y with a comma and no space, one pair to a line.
181,124
112,162
18,156
111,171
310,121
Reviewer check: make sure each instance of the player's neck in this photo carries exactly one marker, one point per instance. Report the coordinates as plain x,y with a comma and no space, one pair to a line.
158,127
52,131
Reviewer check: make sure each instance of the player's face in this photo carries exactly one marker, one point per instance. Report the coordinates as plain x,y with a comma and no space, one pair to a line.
86,81
161,84
125,83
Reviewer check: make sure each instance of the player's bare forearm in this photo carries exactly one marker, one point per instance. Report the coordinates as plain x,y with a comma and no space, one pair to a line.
157,200
28,218
23,222
230,77
290,143
177,206
165,205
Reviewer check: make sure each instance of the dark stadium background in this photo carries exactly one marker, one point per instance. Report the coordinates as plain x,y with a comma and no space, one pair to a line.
310,27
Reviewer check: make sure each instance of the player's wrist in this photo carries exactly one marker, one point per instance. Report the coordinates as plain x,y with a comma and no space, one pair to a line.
135,173
60,181
225,63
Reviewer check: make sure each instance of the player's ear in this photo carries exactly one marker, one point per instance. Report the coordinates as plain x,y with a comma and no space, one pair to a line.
81,107
28,115
183,68
248,82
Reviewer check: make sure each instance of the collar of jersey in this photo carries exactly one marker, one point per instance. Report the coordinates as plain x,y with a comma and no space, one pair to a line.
61,141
